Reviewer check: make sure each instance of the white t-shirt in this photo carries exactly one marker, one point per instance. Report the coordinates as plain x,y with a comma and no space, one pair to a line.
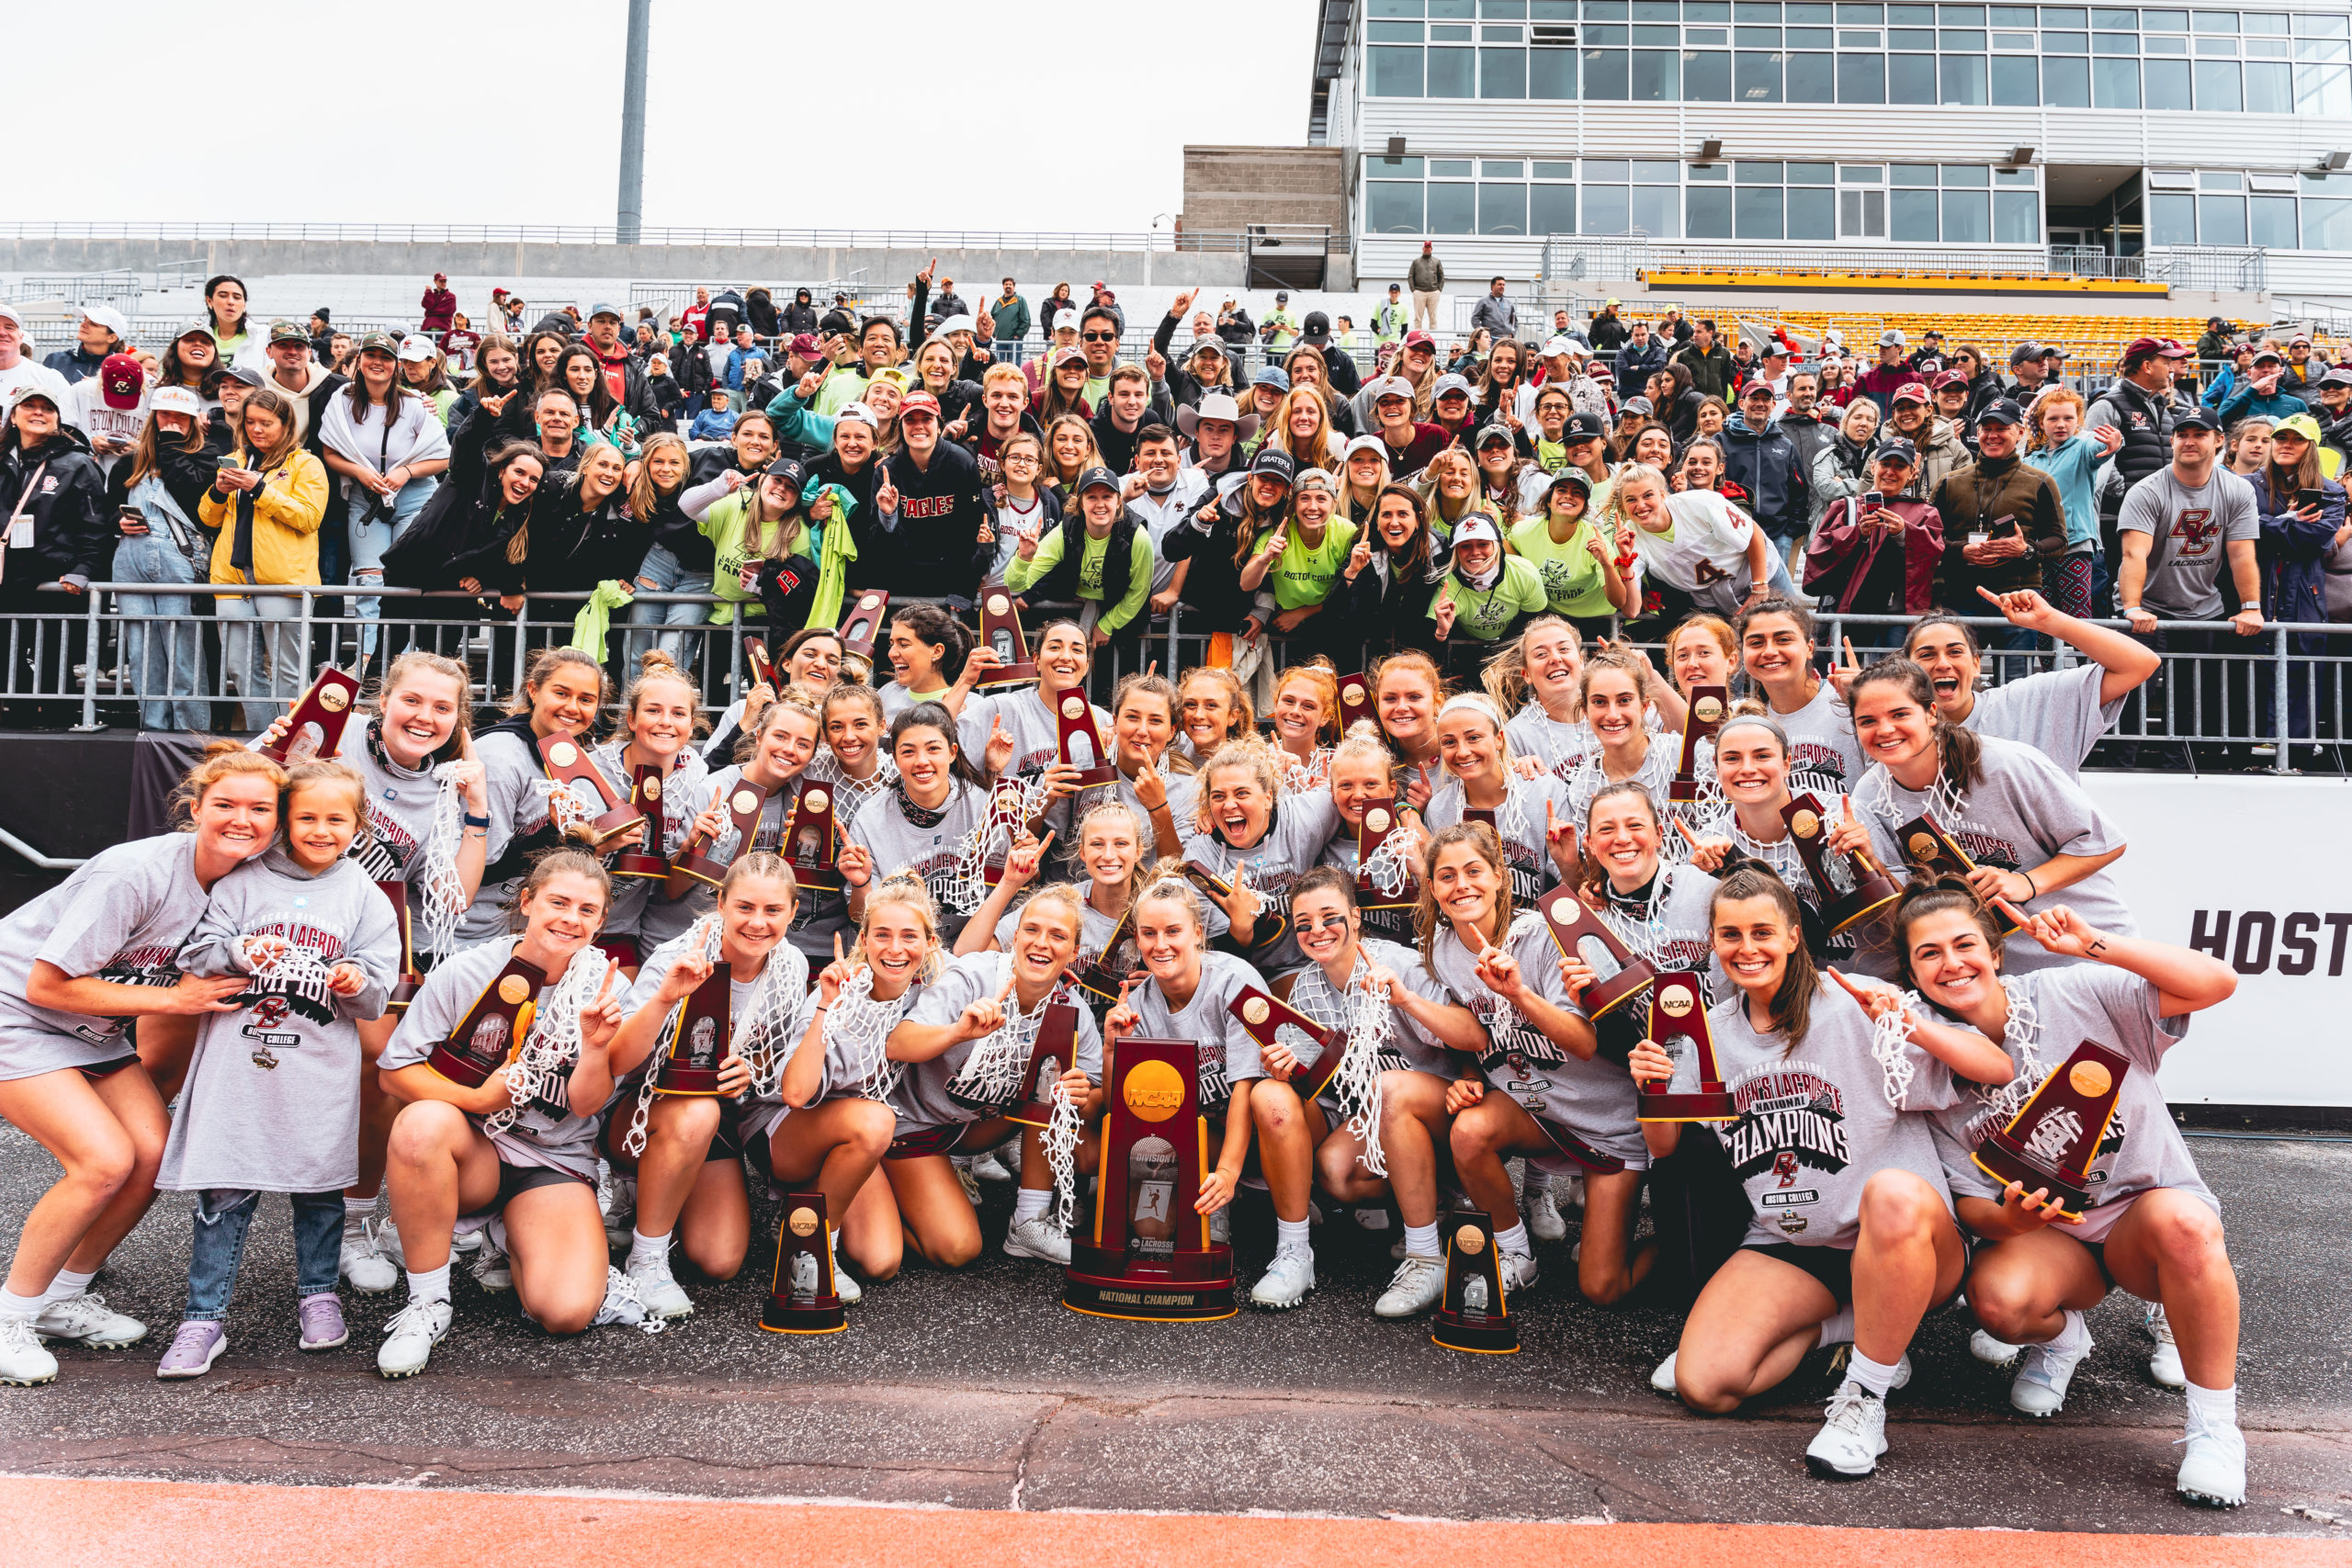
1704,554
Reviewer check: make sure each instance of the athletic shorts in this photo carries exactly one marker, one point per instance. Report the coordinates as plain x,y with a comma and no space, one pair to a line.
107,1069
515,1179
726,1144
924,1141
1833,1266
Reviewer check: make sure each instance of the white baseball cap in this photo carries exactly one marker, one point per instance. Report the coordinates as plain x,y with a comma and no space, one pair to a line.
175,399
107,317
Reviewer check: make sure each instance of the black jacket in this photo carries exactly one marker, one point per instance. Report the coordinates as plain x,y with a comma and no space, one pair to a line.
60,487
1711,369
1383,610
931,548
2146,423
1060,585
761,311
572,550
800,316
1609,332
1636,363
464,524
1209,539
1118,446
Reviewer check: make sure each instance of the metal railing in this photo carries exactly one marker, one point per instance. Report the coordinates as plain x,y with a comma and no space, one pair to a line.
605,234
2280,700
1569,258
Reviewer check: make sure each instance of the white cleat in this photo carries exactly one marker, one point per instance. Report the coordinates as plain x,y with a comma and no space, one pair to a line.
365,1261
2212,1473
87,1320
1518,1270
662,1297
1221,1226
410,1337
2039,1388
1543,1221
845,1284
1662,1376
990,1168
492,1269
23,1362
2164,1361
1993,1352
1288,1281
1414,1289
1037,1237
1849,1442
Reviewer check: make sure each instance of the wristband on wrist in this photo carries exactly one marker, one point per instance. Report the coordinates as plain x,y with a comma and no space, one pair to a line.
474,821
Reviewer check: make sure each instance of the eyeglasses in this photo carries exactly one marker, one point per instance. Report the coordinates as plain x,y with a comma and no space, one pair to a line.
1025,460
1100,337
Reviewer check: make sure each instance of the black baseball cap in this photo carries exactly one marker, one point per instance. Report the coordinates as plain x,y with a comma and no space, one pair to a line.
2196,419
1097,476
1897,450
1584,427
789,470
1275,463
2002,410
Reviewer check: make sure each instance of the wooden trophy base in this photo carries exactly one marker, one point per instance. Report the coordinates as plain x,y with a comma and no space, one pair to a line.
1705,1105
404,991
613,824
1607,996
1006,677
819,878
637,863
1873,893
2002,1158
1474,1332
1682,792
693,1082
690,872
1195,1287
825,1314
459,1070
1096,778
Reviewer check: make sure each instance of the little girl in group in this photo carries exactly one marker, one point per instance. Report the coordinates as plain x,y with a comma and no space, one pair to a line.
272,1099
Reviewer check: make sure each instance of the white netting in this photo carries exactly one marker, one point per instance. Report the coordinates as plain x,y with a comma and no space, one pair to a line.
441,889
1061,1139
1390,868
860,1027
1647,935
287,966
701,936
1303,776
2023,1039
566,810
1891,1035
1366,1016
1003,822
552,1048
991,1073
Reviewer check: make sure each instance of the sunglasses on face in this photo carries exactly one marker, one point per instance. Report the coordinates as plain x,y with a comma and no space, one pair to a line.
1100,337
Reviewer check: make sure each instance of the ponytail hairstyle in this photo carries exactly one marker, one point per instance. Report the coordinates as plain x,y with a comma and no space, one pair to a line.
654,668
1632,666
931,715
1317,673
1427,921
910,893
1149,683
1064,896
1166,883
934,627
1935,897
566,861
792,699
1777,604
759,863
543,664
1959,752
222,760
1505,675
420,661
1143,843
1792,1003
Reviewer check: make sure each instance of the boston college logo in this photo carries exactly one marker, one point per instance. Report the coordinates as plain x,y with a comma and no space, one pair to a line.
2195,528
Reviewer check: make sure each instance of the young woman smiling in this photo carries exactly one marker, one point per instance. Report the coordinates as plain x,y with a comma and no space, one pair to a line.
2059,713
660,713
1536,680
1361,779
1481,779
1405,691
1307,721
2154,1226
1776,648
1024,727
931,660
1701,652
562,691
1612,694
774,756
1258,842
933,825
1866,1244
1752,766
1213,708
1143,737
851,760
1388,577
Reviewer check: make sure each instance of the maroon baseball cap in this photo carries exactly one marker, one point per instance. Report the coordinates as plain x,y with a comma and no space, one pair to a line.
1910,392
1951,378
2145,347
918,402
1418,338
120,380
806,346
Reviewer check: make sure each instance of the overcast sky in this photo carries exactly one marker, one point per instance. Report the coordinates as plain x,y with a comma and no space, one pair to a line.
878,114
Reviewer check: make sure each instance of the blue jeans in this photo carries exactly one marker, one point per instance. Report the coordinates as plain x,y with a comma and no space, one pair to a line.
267,659
223,1216
661,574
1008,350
165,659
370,540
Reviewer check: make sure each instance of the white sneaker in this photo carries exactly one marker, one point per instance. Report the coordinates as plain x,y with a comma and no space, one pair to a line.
88,1320
363,1261
621,1303
1901,1377
2164,1361
1848,1446
1543,1217
465,1244
845,1284
492,1269
662,1296
1518,1272
1414,1289
23,1362
2039,1388
410,1337
2212,1473
1662,1378
1372,1219
1221,1225
1037,1237
963,1177
1993,1352
1287,1281
989,1167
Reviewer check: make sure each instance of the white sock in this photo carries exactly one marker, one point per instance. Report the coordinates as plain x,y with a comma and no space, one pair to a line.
2209,1406
1875,1376
15,1305
1029,1203
1421,1241
1537,1181
67,1285
649,1252
1514,1240
1293,1235
2074,1336
433,1285
358,1209
1836,1330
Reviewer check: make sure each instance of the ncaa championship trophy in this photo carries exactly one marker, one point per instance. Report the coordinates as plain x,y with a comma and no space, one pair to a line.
1149,1256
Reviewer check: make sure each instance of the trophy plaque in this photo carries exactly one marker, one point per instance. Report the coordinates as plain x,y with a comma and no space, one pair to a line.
1148,1255
1852,887
803,1299
1473,1316
403,915
1001,632
493,1028
2048,1144
862,627
646,859
1208,881
1054,1054
1355,701
1582,934
1073,720
1708,705
755,654
808,840
1004,811
1936,853
1679,1012
568,762
314,730
1264,1016
698,1044
694,865
1101,978
1379,820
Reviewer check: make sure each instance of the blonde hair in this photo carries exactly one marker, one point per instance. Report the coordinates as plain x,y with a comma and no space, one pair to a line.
223,759
1625,664
1063,896
643,498
555,862
909,892
1251,754
424,661
327,774
1317,673
653,667
1166,883
1244,718
759,863
1504,677
792,699
1142,835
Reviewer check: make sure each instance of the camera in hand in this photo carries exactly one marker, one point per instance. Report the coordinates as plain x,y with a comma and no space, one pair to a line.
2310,498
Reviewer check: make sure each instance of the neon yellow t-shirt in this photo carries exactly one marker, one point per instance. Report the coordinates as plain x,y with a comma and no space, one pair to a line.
1573,580
1304,575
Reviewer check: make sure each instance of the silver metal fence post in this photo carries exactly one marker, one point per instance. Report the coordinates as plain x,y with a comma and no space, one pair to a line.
1175,611
522,634
2278,703
89,657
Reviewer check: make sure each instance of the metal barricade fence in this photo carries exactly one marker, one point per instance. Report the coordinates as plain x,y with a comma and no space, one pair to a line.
91,662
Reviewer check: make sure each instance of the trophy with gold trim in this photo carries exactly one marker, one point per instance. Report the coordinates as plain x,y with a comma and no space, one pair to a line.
2048,1144
1148,1255
645,860
755,654
803,1297
568,762
403,915
1851,887
861,627
315,730
1679,1012
1355,701
1580,933
1073,720
1935,852
493,1028
1000,633
1264,1016
1708,706
1054,1053
808,840
699,1038
1473,1315
694,865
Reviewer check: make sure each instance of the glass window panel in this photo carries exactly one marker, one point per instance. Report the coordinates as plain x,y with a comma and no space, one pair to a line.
2268,48
2013,16
1757,38
1607,171
1395,7
1453,208
1810,173
1396,72
1599,35
1861,78
1911,15
1862,214
1911,217
1552,73
1445,34
1503,8
1604,210
1848,37
1966,39
1817,15
1377,168
2154,45
1655,74
1755,11
1914,174
1809,38
2164,21
1395,32
1392,207
1657,211
1502,209
2327,225
1708,213
2114,43
1502,35
1759,214
2217,21
1809,80
1442,166
1604,76
1911,79
1461,8
1758,173
2012,40
1502,73
1657,11
1560,171
1864,13
1706,10
2273,22
1812,214
2016,218
1964,80
1969,177
1911,38
1656,172
2167,82
1604,10
2268,89
2273,223
2228,45
2063,17
2056,43
1706,76
2127,20
2014,79
1450,72
2221,182
2171,220
1968,218
1552,210
1706,35
2323,90
2013,177
2319,49
1718,174
1756,78
2305,25
2221,220
1963,15
1669,36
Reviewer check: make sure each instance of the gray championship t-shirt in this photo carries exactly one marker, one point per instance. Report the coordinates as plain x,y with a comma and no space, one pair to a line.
2056,713
2188,563
1409,1047
938,1092
1294,843
932,854
1228,1052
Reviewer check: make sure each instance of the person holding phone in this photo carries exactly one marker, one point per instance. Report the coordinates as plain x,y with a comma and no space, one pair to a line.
1876,553
2002,518
2302,514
